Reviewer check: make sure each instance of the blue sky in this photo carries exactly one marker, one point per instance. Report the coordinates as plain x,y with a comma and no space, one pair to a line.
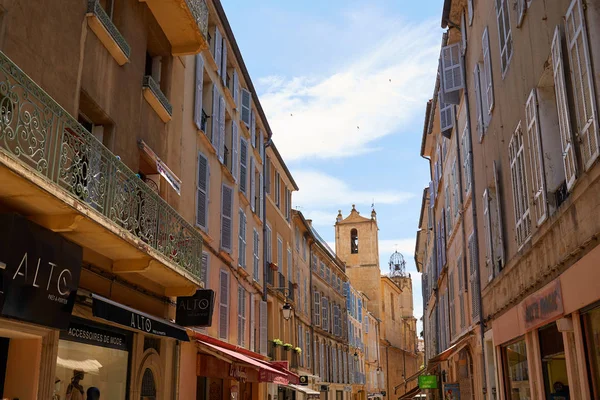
344,85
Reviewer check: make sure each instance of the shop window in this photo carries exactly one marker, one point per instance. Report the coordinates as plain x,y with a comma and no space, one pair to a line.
516,372
591,323
554,365
148,391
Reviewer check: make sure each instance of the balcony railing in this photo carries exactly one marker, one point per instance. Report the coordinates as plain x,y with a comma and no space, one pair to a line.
149,83
290,290
95,9
41,135
199,10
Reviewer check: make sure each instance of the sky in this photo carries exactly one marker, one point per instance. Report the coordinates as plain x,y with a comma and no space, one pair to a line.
344,85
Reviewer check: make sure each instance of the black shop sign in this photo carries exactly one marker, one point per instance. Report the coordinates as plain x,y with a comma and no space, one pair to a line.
39,273
87,332
196,310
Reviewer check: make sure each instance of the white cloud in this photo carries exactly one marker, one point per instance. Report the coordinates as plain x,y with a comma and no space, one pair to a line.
377,94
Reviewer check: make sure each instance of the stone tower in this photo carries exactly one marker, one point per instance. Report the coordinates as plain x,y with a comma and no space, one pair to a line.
356,243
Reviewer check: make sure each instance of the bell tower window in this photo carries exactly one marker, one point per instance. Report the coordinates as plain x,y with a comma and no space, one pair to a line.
354,241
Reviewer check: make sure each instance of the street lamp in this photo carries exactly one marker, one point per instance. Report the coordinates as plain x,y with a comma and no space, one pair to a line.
287,311
355,356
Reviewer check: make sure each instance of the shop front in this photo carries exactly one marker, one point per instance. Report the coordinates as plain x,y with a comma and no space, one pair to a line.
548,345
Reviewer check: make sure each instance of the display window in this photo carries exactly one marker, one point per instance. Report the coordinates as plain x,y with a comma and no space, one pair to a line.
516,371
591,326
92,359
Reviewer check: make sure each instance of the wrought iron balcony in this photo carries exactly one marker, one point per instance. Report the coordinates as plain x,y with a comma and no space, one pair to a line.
184,22
107,32
291,290
203,121
48,142
158,101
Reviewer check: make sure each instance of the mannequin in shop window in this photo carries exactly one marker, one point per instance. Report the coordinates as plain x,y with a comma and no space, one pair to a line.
75,390
561,392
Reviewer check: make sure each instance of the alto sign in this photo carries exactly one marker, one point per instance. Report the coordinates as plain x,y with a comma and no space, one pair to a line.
196,310
39,273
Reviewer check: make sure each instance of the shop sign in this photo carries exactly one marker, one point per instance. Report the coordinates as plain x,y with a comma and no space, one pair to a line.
268,376
39,273
238,373
451,391
136,320
304,380
542,306
196,310
427,382
88,334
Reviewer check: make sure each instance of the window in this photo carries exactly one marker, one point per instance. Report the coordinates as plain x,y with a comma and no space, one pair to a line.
470,10
256,255
267,175
536,158
246,104
234,149
582,81
451,301
223,304
591,327
263,327
297,230
487,81
354,241
465,144
325,313
226,217
456,203
449,213
205,268
269,256
202,190
241,328
473,266
478,102
307,345
252,173
519,187
446,116
253,128
277,189
521,8
244,166
452,69
304,247
461,289
280,253
504,33
516,372
317,309
290,268
242,240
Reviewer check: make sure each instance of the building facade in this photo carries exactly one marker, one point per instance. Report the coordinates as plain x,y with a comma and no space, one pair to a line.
525,82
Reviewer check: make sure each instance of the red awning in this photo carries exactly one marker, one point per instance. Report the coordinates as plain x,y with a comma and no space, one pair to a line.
261,366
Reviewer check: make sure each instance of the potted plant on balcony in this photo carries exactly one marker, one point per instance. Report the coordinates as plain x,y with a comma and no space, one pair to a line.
277,342
273,266
297,350
295,285
288,346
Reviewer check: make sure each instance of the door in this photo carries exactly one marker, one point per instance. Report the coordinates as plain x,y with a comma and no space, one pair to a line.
554,364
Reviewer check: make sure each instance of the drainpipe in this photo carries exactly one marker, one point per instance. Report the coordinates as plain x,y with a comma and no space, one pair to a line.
311,302
264,229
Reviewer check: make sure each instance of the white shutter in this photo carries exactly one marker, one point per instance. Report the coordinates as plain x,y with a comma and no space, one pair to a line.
536,158
221,148
478,102
214,131
263,327
252,323
562,107
205,271
253,128
317,309
521,7
223,304
466,142
256,254
461,289
583,84
226,217
487,226
504,33
470,10
452,68
499,253
252,185
236,88
488,83
242,240
241,331
218,46
198,91
446,117
519,186
455,189
463,33
280,254
246,100
224,61
243,166
234,150
202,190
261,207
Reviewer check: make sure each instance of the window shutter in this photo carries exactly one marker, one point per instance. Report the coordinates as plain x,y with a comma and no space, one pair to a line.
455,196
478,102
221,148
562,106
242,240
243,166
241,331
269,256
582,81
236,88
290,266
504,33
446,117
204,272
223,304
214,134
470,10
268,178
499,248
261,207
536,158
325,316
202,192
245,115
487,224
488,83
224,61
217,51
234,150
443,239
253,128
263,327
519,186
226,217
261,144
463,33
521,8
473,263
317,309
466,142
198,92
452,68
461,289
252,323
256,254
252,185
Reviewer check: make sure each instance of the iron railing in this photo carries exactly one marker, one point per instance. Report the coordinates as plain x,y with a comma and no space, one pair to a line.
271,277
281,280
200,12
203,121
96,9
151,84
290,290
41,135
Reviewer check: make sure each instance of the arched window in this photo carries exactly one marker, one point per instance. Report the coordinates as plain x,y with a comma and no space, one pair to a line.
148,387
354,241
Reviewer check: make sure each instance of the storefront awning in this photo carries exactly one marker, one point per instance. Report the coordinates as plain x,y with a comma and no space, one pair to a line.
446,354
283,366
136,320
247,360
304,389
410,394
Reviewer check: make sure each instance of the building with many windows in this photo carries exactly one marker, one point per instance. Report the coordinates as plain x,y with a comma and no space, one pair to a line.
517,93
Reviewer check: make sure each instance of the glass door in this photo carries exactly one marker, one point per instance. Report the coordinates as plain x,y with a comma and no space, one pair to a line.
554,365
